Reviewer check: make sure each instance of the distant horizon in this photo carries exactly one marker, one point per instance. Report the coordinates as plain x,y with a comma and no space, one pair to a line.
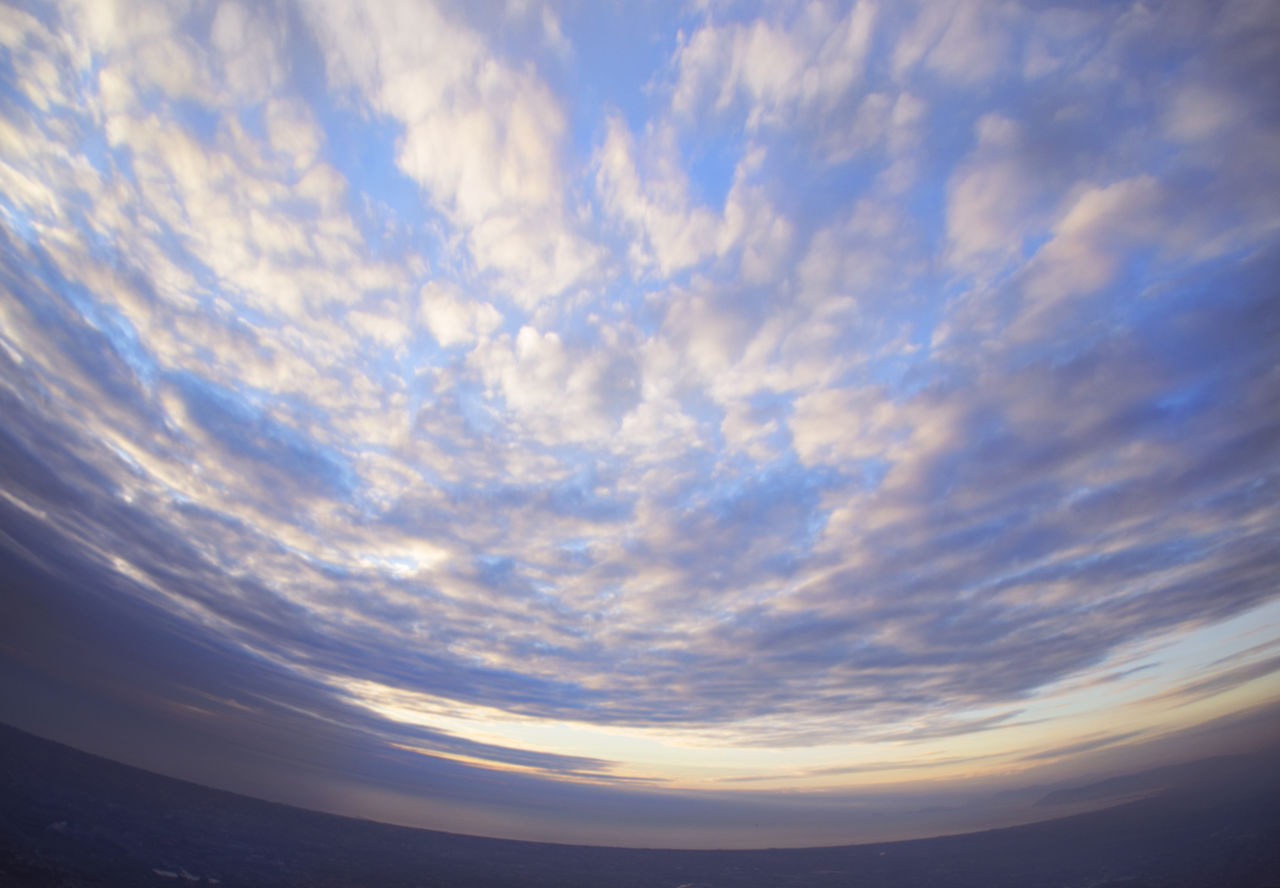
1100,802
689,420
74,817
1238,736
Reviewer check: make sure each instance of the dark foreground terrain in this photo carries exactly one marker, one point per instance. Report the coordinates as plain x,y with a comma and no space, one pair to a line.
71,819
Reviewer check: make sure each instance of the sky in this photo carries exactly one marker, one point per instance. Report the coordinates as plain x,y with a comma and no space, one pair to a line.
706,424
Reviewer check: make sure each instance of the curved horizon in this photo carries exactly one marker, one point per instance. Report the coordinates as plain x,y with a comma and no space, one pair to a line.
671,426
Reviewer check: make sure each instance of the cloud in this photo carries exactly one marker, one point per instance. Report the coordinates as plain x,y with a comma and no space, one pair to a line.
842,426
1085,251
453,319
989,196
1100,742
1228,680
406,368
482,138
563,395
778,69
677,235
961,43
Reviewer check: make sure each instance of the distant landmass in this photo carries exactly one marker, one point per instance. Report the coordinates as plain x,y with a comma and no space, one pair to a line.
73,820
1206,775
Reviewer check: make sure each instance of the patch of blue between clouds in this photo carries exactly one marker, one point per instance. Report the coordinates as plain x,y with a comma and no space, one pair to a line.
711,160
390,366
817,194
389,207
105,321
18,221
577,552
122,335
253,121
9,92
94,148
247,430
621,78
755,492
200,121
578,498
781,500
925,203
871,472
476,413
697,404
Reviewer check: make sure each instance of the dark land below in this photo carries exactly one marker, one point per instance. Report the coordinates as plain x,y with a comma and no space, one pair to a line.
68,818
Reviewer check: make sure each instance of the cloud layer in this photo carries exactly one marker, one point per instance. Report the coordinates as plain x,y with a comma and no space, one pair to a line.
511,385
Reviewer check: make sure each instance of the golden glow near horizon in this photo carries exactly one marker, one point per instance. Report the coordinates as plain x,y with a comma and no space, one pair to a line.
1155,695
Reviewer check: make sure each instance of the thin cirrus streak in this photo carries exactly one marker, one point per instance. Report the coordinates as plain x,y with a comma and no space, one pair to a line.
428,411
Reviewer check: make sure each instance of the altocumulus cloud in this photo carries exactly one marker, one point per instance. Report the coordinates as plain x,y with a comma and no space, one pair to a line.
498,390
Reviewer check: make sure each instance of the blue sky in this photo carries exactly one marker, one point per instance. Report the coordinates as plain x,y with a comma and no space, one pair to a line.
645,413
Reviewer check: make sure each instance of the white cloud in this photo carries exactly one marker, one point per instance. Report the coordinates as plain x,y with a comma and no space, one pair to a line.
990,197
251,50
650,195
557,393
1089,241
745,430
532,258
113,26
292,130
384,326
780,70
839,426
675,235
452,318
482,137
